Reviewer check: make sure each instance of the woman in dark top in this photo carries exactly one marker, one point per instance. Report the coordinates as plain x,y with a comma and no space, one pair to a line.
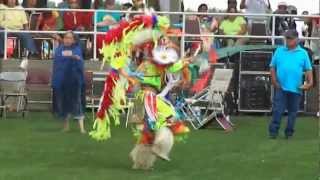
68,82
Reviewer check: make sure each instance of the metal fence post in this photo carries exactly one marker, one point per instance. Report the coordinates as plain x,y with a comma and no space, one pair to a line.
5,44
182,44
273,29
95,36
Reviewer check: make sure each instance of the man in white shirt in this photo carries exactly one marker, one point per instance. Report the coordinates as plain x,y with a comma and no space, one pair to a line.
164,5
256,7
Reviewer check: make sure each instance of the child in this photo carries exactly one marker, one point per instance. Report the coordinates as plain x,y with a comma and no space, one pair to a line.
68,82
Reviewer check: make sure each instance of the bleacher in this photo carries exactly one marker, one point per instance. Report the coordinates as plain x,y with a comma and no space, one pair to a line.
39,75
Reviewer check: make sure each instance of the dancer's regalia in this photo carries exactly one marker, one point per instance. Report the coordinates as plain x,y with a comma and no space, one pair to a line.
160,122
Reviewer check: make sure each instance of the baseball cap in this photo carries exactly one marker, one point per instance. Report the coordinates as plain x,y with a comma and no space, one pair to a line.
282,3
291,34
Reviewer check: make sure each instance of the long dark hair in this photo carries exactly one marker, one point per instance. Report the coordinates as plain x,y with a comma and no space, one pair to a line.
235,9
203,5
97,4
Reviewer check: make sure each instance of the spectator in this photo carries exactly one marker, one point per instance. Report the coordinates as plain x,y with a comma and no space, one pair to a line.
98,4
86,4
315,44
138,5
234,25
30,4
288,66
307,31
63,5
38,4
282,23
48,21
105,20
208,25
232,4
76,20
79,21
292,20
126,7
15,20
156,5
42,4
68,82
32,16
256,7
301,28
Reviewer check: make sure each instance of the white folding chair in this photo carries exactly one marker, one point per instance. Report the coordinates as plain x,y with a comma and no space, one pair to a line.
209,104
13,85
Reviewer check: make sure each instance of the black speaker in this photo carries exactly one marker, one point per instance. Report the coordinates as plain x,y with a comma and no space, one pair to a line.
255,93
255,60
254,81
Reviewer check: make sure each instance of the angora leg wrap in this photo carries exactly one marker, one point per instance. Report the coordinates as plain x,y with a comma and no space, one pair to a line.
163,143
143,157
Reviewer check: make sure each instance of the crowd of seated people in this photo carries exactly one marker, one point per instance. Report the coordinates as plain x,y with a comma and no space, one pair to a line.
84,21
15,20
252,25
58,20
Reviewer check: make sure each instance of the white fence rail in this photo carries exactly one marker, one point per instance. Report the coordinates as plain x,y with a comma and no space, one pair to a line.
183,35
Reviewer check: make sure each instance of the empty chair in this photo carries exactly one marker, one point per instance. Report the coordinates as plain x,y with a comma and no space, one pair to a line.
13,91
210,103
39,89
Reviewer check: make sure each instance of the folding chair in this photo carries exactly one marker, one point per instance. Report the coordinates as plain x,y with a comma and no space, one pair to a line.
13,91
90,98
210,103
38,88
94,86
258,28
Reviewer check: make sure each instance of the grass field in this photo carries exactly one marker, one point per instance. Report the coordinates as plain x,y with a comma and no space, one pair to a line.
35,149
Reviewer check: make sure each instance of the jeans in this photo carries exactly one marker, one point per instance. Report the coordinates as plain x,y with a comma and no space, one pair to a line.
26,39
284,100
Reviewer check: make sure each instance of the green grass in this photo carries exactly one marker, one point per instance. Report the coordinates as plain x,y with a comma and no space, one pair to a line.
35,149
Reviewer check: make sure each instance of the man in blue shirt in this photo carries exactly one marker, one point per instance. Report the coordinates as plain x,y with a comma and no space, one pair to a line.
288,66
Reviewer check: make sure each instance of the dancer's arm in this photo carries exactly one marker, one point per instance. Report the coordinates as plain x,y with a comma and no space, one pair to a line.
132,80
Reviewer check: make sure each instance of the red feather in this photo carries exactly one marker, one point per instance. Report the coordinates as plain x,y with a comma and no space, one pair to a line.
203,82
147,21
213,56
107,94
115,34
